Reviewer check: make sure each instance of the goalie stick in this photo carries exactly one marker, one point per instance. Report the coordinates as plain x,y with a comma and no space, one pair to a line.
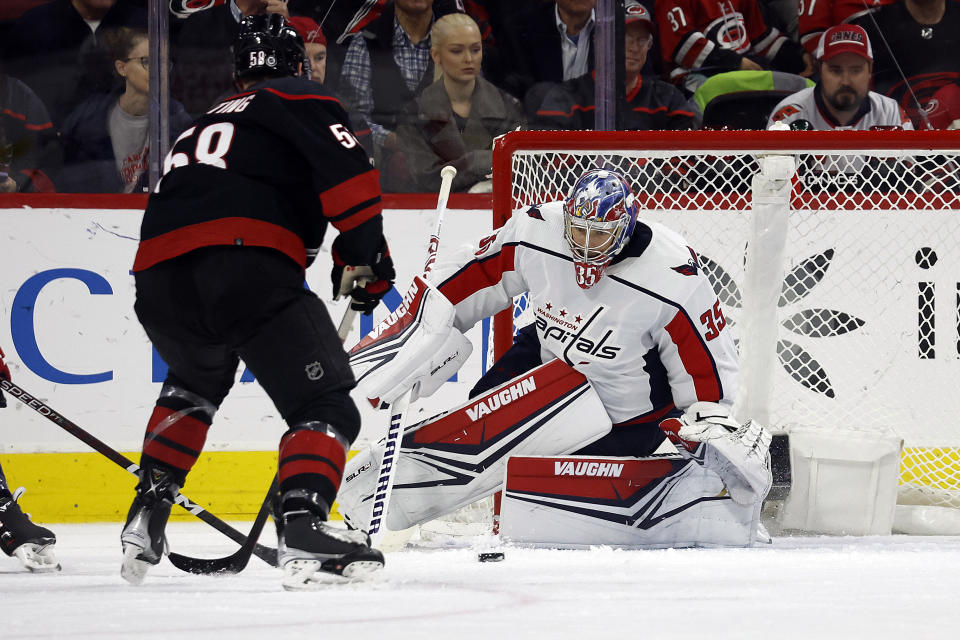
237,561
398,411
266,554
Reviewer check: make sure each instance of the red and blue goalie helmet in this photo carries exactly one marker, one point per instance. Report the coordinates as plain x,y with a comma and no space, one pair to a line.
600,214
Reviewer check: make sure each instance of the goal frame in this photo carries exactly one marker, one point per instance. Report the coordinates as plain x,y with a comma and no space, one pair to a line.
507,145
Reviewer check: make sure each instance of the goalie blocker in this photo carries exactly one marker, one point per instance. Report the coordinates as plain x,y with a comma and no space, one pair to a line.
706,493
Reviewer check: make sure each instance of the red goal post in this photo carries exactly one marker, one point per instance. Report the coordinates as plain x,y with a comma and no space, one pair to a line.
854,321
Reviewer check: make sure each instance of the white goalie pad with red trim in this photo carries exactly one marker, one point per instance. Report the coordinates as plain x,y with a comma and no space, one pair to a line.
458,457
415,347
655,502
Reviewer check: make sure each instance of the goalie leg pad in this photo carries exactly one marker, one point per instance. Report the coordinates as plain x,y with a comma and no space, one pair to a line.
582,501
458,457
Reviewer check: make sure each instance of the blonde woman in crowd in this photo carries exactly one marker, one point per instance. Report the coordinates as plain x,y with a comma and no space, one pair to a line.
455,119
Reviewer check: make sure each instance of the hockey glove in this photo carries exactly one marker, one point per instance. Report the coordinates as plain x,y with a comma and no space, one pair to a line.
4,373
376,279
738,453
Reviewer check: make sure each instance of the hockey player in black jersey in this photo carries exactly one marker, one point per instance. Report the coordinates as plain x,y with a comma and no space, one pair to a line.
30,543
239,214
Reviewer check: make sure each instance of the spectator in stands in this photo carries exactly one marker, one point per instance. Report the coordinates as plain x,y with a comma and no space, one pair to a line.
203,70
343,20
700,38
387,66
106,138
29,151
53,49
842,99
457,117
819,15
315,44
650,102
919,51
551,43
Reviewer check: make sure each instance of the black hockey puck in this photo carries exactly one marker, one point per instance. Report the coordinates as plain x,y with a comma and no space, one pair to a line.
493,556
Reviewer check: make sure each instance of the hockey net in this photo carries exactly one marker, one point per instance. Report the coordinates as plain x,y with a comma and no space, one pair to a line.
866,316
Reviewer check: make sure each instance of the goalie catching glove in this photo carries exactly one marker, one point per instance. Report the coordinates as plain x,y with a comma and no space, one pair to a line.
738,453
416,347
366,284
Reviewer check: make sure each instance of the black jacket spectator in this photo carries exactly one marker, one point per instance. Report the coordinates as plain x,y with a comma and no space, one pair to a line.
651,105
538,56
203,63
390,92
89,164
29,151
52,49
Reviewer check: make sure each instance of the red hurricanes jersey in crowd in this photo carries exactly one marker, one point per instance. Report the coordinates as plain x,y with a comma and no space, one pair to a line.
696,33
816,16
267,167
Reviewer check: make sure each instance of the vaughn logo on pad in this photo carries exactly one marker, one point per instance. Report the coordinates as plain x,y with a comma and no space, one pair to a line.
598,469
492,403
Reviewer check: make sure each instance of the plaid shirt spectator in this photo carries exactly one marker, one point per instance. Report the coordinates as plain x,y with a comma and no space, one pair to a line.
412,59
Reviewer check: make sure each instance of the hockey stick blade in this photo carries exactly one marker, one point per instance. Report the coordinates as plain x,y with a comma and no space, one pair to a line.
264,553
235,562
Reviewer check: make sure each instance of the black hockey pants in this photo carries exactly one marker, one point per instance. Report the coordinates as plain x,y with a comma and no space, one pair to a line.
208,309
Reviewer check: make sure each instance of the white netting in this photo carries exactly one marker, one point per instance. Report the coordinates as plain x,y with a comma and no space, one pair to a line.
869,311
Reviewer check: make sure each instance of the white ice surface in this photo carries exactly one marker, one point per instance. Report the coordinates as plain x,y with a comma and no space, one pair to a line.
807,588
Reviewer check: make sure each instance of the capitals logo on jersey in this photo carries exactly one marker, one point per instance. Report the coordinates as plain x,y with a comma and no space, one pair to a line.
692,267
571,330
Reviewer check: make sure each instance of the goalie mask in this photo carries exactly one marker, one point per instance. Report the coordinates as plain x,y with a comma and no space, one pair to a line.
267,45
599,216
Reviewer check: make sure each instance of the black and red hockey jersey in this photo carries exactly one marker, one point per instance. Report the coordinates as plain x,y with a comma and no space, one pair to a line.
714,35
267,167
816,16
911,59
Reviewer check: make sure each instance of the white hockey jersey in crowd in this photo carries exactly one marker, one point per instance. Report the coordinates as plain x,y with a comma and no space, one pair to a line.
877,111
650,335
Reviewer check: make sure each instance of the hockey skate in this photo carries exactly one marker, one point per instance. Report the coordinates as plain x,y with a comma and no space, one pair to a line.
143,539
313,552
31,544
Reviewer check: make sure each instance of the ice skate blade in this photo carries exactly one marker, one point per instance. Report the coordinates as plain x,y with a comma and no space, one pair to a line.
133,570
37,558
309,575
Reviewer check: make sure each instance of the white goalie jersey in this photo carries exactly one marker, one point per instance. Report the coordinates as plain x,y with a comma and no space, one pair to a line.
649,336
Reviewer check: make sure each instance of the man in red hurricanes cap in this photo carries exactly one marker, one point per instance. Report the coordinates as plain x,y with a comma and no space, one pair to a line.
316,45
842,99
